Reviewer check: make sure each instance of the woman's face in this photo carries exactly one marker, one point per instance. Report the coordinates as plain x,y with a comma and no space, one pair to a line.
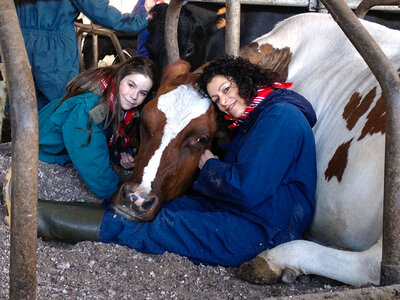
225,93
133,89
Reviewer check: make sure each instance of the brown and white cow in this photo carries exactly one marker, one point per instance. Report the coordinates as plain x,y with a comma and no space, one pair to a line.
176,128
350,139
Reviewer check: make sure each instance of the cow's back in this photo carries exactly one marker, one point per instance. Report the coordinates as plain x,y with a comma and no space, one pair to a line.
350,132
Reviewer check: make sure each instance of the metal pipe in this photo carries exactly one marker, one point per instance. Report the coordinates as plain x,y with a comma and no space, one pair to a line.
24,164
388,79
95,29
365,5
232,31
302,3
171,30
95,48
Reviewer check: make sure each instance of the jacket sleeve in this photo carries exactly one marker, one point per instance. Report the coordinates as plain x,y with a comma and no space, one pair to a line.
261,165
92,161
100,12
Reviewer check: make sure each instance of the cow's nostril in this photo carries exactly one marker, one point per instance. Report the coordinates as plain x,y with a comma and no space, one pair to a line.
128,195
148,203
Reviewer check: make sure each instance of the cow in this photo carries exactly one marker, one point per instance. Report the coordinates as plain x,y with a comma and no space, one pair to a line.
201,30
350,141
176,128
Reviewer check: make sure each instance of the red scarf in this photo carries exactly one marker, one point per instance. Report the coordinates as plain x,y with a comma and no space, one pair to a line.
262,93
128,116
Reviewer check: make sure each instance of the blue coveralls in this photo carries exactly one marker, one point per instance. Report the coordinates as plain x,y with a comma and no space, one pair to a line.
262,195
62,137
142,36
50,38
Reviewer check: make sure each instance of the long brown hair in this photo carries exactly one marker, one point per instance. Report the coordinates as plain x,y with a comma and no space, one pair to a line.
89,79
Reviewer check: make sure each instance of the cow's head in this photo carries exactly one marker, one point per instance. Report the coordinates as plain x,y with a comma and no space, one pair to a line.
175,130
197,29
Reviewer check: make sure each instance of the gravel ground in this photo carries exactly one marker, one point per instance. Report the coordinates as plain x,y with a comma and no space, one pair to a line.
90,270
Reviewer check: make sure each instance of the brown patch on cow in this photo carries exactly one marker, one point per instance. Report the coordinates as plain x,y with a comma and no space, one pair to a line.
268,57
338,162
250,52
200,69
376,120
276,59
356,107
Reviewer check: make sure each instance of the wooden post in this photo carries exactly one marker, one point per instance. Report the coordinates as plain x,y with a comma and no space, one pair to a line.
24,165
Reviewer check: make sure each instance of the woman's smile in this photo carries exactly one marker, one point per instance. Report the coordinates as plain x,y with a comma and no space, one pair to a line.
224,92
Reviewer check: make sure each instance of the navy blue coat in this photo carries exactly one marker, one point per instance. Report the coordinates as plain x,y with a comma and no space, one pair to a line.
262,195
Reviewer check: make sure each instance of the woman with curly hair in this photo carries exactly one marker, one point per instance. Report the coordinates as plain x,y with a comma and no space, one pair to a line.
267,179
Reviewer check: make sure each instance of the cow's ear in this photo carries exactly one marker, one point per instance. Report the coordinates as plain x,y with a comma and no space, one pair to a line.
268,57
176,73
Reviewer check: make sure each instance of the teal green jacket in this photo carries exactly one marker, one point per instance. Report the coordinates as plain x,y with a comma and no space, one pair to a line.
63,135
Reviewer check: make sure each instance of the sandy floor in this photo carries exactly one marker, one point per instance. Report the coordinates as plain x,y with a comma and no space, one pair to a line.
91,270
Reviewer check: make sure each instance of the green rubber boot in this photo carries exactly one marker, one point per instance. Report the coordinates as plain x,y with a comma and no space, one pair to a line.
69,222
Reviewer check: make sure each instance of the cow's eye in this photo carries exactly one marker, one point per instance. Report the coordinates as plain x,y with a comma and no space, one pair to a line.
200,141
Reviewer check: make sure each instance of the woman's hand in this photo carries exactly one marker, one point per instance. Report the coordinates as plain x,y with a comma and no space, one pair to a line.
206,156
127,160
149,4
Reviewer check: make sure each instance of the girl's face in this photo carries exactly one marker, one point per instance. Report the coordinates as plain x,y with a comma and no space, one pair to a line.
225,93
133,89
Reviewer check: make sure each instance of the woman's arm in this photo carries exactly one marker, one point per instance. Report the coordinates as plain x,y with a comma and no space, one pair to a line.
92,161
264,160
100,12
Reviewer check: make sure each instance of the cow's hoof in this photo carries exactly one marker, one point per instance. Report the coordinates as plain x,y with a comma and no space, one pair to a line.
290,275
260,271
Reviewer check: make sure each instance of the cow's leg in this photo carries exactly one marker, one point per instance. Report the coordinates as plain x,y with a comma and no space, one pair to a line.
354,268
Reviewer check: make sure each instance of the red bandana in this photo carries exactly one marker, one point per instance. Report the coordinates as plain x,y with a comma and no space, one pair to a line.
128,116
262,93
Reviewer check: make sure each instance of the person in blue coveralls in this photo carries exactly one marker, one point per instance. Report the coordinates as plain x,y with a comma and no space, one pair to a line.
261,195
100,108
50,38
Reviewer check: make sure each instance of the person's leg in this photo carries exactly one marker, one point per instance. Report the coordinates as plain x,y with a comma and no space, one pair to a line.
70,222
208,237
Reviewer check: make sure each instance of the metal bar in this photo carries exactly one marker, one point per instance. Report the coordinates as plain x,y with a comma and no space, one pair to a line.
171,30
365,5
79,36
24,165
389,81
232,32
95,48
301,3
295,3
95,29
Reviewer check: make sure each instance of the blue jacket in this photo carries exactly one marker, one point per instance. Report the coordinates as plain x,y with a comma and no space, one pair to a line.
269,172
50,38
62,137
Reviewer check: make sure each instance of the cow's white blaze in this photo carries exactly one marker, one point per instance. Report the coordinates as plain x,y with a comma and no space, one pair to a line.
180,106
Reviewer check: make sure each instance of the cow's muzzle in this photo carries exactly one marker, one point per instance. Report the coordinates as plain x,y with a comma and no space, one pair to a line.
135,204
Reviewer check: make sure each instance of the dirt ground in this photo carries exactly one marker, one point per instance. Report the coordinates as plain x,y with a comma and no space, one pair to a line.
90,270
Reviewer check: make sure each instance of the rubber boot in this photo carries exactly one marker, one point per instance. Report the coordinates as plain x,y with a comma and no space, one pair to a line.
69,222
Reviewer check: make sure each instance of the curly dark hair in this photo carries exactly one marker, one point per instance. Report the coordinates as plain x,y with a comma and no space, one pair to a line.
246,75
